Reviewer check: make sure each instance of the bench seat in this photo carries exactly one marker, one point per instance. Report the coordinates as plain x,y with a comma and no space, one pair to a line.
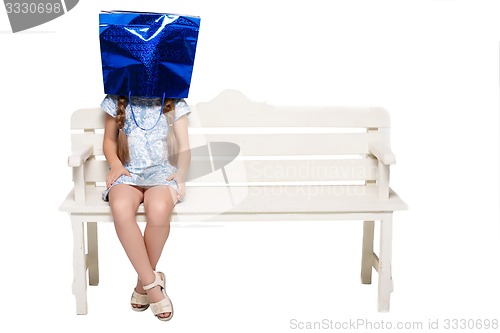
258,200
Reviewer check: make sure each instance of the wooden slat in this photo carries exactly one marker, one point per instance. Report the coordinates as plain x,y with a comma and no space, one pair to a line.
300,144
203,220
92,253
273,144
239,171
79,267
88,119
262,200
307,217
288,170
385,286
96,170
232,108
294,199
367,252
83,139
307,170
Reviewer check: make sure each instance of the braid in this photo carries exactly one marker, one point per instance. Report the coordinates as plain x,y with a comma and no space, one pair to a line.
122,142
169,105
172,147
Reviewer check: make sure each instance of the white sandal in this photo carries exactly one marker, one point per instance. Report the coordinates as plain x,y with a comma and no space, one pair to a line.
165,305
139,299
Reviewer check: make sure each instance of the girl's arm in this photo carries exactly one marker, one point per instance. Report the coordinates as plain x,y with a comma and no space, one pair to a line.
109,148
184,155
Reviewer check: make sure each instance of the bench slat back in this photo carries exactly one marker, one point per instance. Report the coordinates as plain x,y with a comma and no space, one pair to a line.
232,109
273,144
277,143
313,170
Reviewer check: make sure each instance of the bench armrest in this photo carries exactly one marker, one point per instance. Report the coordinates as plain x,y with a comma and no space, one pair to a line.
80,155
382,152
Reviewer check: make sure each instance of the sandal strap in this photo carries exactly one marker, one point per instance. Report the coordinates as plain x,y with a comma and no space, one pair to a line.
139,299
157,282
165,305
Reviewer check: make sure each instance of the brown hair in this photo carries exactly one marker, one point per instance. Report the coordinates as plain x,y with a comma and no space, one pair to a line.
122,142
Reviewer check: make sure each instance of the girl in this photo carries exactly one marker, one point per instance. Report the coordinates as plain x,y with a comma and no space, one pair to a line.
147,148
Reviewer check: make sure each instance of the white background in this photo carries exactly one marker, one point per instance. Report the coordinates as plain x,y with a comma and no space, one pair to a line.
433,64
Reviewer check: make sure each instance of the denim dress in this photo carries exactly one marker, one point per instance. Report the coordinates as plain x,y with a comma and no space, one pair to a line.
146,129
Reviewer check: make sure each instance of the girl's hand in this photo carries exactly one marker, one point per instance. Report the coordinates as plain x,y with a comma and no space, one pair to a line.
114,172
181,183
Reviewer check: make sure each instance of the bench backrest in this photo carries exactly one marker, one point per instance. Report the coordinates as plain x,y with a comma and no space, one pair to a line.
278,144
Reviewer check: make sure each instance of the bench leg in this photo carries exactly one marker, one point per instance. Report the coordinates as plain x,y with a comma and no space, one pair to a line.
385,286
93,255
367,252
79,268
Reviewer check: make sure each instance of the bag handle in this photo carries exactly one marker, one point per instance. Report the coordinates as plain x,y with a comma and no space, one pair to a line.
133,114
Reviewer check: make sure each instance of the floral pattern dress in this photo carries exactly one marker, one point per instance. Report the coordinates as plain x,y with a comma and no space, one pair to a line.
146,129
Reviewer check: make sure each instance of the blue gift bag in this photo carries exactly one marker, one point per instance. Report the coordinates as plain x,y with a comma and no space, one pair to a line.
147,54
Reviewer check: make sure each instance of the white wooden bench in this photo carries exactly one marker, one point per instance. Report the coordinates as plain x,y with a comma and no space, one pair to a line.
293,164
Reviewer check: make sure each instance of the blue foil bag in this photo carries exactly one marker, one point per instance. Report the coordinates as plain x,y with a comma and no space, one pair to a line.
147,54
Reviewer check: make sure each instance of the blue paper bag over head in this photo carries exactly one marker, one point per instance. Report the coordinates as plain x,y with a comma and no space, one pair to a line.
147,54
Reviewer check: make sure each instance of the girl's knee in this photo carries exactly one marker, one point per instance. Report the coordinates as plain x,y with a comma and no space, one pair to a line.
119,204
124,202
122,211
158,205
158,214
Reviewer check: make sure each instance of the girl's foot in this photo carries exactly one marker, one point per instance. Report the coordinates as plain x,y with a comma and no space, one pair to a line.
139,300
160,303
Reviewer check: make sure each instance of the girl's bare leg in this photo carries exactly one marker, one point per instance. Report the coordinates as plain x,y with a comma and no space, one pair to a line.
124,201
158,204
